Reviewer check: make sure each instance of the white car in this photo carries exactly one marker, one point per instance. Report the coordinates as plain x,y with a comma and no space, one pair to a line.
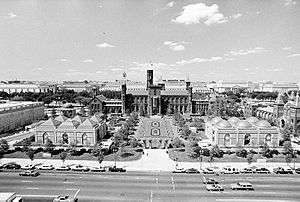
63,168
230,170
80,168
28,167
45,167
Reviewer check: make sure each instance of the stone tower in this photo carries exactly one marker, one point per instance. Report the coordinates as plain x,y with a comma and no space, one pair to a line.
123,98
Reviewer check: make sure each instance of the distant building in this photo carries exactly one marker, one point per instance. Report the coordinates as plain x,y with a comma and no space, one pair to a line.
249,133
226,86
28,87
79,130
100,104
277,87
19,114
78,86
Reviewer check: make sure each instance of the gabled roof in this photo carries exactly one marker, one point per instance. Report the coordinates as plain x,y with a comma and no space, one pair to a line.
51,122
79,119
174,92
138,92
61,118
68,125
96,118
88,124
101,98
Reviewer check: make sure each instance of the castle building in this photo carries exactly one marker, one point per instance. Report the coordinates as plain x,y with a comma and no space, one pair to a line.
288,114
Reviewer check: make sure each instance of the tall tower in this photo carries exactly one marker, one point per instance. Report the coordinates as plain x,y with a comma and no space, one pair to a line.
123,98
190,99
149,78
278,107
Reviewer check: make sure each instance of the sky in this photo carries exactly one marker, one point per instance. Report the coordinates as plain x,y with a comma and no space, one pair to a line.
55,40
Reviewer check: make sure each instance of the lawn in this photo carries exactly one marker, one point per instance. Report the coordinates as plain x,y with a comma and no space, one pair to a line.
184,157
86,156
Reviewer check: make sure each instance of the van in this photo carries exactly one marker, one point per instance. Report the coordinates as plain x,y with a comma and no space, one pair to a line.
230,170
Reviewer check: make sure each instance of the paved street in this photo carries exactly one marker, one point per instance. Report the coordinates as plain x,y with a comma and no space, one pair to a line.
149,186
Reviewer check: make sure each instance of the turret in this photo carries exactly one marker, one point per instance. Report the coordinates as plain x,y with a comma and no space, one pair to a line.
123,98
149,78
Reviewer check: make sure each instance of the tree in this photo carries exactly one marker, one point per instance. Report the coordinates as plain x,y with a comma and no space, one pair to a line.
250,158
4,145
100,157
49,147
96,150
30,154
211,158
288,151
63,155
72,149
1,153
177,143
266,152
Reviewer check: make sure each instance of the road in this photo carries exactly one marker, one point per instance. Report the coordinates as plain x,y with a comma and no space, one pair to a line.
149,186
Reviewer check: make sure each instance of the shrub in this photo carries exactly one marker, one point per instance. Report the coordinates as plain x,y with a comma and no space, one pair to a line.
242,153
18,149
139,150
126,154
205,152
275,152
38,150
252,151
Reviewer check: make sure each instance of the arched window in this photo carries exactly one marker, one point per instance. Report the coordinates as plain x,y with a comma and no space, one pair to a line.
247,139
84,139
65,138
226,140
268,138
45,137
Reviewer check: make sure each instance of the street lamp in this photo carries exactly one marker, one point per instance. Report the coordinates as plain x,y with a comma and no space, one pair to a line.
115,150
295,153
200,152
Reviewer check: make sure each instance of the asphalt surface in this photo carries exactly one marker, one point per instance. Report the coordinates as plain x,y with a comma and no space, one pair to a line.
149,186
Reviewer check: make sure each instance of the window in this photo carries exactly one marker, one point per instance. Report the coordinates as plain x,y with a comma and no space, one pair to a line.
247,139
226,140
84,139
45,137
268,138
65,138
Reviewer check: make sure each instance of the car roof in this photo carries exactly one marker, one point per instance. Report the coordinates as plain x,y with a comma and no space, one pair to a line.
245,183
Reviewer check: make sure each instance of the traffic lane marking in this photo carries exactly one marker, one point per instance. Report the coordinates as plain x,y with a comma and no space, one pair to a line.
32,188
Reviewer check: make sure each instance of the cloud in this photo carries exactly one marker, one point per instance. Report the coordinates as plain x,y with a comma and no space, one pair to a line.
278,70
247,69
10,16
290,2
175,46
116,69
105,45
39,69
99,72
171,3
72,70
151,65
236,16
194,13
64,60
246,51
294,55
199,60
286,48
88,60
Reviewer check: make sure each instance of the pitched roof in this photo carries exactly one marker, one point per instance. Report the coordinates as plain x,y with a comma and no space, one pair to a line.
51,122
101,97
175,92
61,118
96,118
138,92
79,119
88,124
68,125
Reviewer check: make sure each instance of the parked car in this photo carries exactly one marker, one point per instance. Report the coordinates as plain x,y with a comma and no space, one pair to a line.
230,170
208,171
282,170
63,168
214,187
98,169
242,186
192,170
297,170
178,170
45,167
28,167
32,173
65,198
263,170
116,169
207,180
11,165
248,170
80,168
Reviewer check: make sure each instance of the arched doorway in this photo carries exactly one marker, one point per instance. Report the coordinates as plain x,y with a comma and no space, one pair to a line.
84,139
226,140
45,137
65,138
247,139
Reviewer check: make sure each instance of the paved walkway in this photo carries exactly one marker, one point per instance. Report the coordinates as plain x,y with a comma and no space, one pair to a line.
152,160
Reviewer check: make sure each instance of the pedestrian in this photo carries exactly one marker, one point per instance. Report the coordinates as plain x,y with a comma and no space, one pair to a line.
147,153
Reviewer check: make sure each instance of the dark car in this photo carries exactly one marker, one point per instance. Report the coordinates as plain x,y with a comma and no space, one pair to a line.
297,170
11,166
192,170
281,170
116,169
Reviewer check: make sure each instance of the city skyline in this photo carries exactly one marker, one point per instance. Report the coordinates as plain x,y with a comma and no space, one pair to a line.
99,40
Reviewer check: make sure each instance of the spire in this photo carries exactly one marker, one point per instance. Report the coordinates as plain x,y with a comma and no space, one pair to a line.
297,100
279,98
188,78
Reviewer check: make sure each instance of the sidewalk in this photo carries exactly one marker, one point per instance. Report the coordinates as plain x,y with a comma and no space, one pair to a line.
156,160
